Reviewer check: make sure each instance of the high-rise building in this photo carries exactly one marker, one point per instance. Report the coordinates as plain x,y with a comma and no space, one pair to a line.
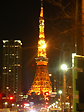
78,81
41,83
12,65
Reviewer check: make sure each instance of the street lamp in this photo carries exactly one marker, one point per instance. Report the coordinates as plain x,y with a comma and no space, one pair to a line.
7,88
6,103
60,92
64,68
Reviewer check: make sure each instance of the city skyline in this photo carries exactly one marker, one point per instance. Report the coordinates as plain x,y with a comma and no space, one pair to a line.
22,35
19,23
20,20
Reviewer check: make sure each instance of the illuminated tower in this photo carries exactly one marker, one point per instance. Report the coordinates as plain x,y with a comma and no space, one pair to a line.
41,83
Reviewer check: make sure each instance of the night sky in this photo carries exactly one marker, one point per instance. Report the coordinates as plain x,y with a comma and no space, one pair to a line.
20,20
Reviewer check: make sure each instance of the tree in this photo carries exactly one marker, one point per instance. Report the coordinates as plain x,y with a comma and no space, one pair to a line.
65,21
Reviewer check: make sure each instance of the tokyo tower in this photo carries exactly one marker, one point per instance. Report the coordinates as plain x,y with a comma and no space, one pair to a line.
41,83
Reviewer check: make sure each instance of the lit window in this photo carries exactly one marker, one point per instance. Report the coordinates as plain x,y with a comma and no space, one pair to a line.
4,67
69,86
17,52
17,64
3,45
16,46
4,73
18,41
6,54
16,56
9,70
5,41
54,87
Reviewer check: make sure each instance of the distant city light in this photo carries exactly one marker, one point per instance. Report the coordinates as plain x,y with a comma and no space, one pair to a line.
73,54
11,97
56,106
50,74
32,111
26,104
56,102
6,103
12,104
7,87
46,103
17,105
60,91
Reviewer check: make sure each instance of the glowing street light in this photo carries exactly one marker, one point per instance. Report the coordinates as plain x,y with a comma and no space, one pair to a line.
6,103
64,68
60,91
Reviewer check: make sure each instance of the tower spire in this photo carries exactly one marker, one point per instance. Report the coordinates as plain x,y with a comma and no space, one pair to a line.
41,83
41,3
41,13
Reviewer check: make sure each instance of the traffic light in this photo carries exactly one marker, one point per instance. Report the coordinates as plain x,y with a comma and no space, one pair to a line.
11,98
46,103
26,105
46,93
0,96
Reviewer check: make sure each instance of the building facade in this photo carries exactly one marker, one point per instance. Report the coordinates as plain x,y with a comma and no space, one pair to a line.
12,66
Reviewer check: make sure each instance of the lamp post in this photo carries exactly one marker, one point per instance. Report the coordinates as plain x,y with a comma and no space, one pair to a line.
64,68
7,88
6,103
60,92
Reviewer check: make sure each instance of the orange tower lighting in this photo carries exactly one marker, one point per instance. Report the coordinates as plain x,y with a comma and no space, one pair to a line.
41,83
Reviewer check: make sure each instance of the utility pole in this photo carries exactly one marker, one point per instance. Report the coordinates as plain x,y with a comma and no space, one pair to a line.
64,77
83,26
76,25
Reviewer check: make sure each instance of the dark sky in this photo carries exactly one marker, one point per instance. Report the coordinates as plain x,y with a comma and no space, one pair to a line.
20,20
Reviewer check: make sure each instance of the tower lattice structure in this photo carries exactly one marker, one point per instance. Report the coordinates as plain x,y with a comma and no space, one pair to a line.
41,83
